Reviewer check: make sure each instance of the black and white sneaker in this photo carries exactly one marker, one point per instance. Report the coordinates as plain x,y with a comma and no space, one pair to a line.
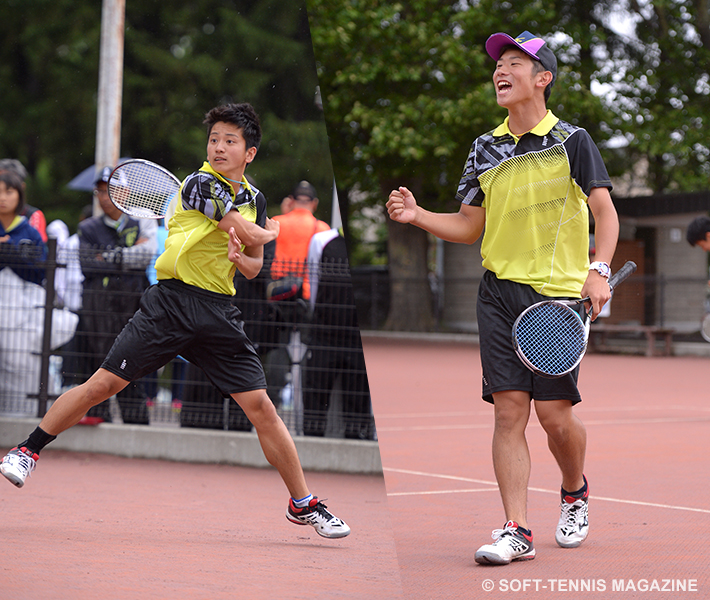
573,526
17,465
317,515
510,544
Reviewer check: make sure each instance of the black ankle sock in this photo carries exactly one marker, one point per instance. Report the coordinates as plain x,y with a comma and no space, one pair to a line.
38,439
525,531
579,493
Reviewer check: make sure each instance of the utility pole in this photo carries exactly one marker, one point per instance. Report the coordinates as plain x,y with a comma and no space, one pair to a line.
108,117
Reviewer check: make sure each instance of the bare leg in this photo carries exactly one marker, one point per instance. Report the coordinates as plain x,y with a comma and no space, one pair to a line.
566,438
73,404
275,439
511,457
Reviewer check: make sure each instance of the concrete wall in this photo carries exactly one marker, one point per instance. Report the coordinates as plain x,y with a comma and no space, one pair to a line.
199,445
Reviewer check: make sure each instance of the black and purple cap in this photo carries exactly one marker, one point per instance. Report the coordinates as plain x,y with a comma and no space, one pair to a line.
532,45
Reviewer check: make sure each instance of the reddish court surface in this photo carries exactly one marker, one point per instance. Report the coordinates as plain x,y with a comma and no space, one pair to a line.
98,527
648,461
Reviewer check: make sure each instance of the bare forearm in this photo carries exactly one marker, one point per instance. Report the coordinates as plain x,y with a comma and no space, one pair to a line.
250,266
250,234
461,227
606,225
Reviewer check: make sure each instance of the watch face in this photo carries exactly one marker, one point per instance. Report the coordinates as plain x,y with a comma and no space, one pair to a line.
601,268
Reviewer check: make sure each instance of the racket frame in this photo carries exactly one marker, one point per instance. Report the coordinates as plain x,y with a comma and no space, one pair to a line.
621,275
567,306
135,210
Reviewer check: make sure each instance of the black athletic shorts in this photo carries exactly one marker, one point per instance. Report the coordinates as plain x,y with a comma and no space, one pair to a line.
203,327
499,303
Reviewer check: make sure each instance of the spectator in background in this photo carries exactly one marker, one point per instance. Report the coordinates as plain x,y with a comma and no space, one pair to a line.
334,343
34,215
297,228
21,245
287,205
698,233
68,281
115,251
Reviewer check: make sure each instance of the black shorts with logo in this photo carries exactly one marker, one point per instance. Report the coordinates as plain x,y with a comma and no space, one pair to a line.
499,303
203,327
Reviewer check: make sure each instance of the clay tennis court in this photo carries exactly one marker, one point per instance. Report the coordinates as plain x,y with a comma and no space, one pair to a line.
648,461
93,526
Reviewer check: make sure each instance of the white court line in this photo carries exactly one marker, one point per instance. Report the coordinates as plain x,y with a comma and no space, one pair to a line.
536,424
586,408
432,493
532,489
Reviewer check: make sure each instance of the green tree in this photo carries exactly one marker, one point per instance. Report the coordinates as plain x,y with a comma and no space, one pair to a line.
180,59
407,87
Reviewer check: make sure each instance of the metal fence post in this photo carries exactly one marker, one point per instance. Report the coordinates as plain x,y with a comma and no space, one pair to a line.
50,271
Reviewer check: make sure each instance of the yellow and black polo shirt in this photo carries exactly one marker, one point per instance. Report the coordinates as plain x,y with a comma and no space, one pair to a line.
535,190
196,248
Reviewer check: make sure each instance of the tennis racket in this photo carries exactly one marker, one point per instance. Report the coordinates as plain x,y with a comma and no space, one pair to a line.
550,337
142,189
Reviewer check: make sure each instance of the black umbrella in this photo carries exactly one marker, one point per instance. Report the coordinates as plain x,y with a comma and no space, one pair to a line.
84,181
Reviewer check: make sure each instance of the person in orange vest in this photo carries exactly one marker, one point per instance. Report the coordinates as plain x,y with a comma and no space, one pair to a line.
297,228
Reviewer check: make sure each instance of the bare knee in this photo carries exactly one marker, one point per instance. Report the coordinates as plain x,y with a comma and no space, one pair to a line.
512,411
258,407
558,421
99,387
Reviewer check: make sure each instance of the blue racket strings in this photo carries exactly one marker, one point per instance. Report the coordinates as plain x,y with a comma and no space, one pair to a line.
552,338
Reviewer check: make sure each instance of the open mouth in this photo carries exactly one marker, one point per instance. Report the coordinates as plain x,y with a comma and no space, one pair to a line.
504,86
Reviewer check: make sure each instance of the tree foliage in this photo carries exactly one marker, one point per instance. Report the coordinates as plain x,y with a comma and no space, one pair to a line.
180,60
407,87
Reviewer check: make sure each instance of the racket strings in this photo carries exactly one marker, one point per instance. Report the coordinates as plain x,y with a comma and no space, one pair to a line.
141,189
552,338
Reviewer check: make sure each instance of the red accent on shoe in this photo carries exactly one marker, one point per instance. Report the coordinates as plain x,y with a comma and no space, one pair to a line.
32,455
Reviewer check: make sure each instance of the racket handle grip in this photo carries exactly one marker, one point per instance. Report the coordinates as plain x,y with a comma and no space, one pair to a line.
623,273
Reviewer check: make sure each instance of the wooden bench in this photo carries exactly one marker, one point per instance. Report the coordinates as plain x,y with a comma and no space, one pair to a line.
598,336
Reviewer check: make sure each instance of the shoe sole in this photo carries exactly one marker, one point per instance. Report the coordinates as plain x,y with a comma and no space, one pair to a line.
332,536
14,480
488,558
562,544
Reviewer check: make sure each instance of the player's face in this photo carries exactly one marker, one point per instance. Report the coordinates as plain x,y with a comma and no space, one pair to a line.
9,199
513,78
227,151
705,244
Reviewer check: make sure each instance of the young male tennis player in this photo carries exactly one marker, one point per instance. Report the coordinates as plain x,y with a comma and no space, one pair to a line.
220,225
530,182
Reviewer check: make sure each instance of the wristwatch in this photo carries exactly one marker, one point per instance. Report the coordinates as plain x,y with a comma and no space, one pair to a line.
600,267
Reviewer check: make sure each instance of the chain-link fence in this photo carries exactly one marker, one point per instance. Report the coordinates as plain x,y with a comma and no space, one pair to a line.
55,335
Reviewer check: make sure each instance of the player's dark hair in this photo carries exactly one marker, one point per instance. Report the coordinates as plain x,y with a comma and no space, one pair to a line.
697,230
14,181
242,115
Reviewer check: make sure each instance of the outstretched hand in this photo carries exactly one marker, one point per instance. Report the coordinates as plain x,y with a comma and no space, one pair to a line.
402,206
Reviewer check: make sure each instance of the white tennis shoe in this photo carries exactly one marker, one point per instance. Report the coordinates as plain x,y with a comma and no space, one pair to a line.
17,465
316,514
510,544
573,526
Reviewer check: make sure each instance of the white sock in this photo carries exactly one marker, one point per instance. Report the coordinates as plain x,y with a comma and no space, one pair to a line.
303,502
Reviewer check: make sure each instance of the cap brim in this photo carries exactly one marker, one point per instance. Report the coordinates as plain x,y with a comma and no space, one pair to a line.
498,41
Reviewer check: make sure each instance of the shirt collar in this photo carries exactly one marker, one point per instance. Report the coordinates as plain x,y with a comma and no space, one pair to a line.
16,222
243,184
542,128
